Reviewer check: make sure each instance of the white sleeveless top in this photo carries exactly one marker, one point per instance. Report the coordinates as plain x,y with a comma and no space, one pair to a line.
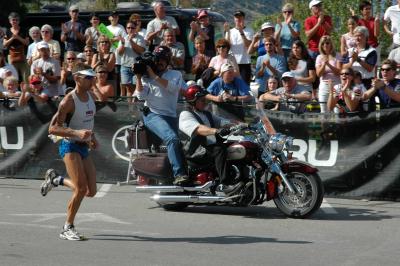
83,117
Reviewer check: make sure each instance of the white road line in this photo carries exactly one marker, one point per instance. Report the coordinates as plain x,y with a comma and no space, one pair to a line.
327,208
103,190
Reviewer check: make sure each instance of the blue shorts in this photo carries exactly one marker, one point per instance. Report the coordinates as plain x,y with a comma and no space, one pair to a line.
127,76
68,147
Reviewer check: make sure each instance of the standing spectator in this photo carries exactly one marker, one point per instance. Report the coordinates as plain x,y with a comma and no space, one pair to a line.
50,68
288,30
347,40
392,15
105,58
270,64
202,27
92,33
34,33
328,67
67,78
202,58
16,41
88,50
316,26
364,57
223,56
157,26
372,24
129,48
137,19
257,43
240,38
395,56
102,89
160,89
304,69
54,46
2,35
177,50
72,32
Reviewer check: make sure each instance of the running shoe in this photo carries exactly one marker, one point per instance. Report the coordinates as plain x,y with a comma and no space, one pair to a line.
71,234
48,184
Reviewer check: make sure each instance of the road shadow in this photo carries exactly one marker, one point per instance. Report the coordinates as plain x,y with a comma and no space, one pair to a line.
350,213
217,240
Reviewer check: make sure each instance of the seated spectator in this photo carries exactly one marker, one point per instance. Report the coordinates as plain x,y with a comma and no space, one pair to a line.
328,67
50,68
287,31
102,89
202,58
177,49
257,43
270,64
223,56
34,33
104,57
272,85
88,50
364,57
6,70
10,85
35,92
202,27
67,79
290,97
92,34
342,97
302,66
388,86
229,88
54,46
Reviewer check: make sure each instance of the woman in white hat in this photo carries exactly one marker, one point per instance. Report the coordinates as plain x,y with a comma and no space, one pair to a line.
257,44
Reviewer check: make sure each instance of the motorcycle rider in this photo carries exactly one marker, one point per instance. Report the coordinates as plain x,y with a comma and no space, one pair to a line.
203,129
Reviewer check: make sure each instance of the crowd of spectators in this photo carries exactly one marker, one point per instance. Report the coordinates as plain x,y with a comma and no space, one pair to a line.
289,72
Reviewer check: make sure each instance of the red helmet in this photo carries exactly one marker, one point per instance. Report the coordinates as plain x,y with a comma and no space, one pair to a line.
194,92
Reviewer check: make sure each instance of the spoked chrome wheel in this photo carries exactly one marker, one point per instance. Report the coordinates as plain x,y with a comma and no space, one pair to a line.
307,199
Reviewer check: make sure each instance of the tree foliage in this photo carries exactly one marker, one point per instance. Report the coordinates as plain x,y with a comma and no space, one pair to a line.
340,12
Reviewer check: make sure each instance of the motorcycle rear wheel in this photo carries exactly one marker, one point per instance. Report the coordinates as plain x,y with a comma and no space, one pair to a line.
310,193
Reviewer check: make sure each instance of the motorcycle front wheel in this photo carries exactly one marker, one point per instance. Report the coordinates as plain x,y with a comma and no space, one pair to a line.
307,199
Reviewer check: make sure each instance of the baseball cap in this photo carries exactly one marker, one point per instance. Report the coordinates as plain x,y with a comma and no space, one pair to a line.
287,75
41,45
73,7
238,13
313,3
113,13
35,80
267,25
202,13
226,67
81,56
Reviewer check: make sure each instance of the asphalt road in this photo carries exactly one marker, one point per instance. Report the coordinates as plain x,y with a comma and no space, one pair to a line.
126,228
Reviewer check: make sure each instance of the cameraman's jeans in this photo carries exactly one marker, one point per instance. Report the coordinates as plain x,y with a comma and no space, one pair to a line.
166,128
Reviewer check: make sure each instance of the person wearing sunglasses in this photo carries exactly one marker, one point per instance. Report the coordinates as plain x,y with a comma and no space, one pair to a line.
50,68
316,26
67,79
129,48
73,31
223,56
77,137
102,89
288,30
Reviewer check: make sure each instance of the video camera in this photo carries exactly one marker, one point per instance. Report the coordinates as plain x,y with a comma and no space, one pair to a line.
140,67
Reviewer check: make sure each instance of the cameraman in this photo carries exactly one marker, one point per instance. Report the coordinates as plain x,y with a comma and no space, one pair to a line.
203,129
160,87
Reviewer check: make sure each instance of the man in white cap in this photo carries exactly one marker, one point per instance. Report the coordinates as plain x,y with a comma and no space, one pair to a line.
73,32
290,97
316,26
77,137
240,38
229,91
50,68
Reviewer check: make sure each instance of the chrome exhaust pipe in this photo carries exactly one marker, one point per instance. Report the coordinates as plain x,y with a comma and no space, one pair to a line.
163,189
187,198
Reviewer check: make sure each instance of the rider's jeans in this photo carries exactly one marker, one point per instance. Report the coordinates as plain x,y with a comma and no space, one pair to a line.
166,128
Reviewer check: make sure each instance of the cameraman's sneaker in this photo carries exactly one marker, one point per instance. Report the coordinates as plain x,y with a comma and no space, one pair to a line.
70,233
48,184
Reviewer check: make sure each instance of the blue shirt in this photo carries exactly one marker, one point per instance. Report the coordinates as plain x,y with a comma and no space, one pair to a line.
386,101
277,61
286,37
236,88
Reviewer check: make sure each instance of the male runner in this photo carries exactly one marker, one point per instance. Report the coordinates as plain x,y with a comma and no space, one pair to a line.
74,123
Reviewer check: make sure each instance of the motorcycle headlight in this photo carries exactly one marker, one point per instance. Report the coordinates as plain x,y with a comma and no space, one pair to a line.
277,142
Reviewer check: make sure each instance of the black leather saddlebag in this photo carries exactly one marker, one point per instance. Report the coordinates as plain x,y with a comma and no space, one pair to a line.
153,165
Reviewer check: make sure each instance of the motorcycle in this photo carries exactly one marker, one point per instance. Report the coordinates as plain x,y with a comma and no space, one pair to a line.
258,157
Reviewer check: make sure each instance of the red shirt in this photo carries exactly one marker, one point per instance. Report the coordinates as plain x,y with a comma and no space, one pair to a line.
309,23
370,25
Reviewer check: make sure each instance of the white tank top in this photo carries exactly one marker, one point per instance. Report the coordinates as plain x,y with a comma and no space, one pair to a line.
83,117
